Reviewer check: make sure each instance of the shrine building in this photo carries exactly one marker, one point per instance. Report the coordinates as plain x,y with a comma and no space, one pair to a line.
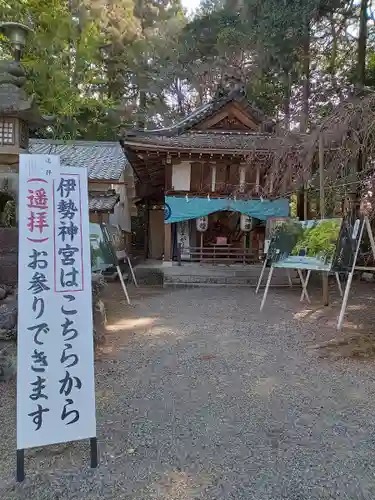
202,182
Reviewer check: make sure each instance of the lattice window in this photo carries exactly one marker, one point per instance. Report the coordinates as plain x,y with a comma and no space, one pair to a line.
7,132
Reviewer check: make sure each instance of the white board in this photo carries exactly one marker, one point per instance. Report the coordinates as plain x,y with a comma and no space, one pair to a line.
181,175
55,364
183,237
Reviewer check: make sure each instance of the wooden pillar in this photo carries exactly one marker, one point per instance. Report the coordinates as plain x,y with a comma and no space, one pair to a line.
213,178
146,215
300,204
257,181
322,211
167,242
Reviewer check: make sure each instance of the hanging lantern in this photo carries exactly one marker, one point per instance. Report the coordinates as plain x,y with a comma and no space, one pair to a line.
245,223
202,223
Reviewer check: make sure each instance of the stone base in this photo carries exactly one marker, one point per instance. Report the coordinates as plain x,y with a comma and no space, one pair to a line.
8,256
193,275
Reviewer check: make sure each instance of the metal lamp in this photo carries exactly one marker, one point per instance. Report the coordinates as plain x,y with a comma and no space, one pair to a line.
17,34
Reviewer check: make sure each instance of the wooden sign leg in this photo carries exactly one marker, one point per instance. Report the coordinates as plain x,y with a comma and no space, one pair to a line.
325,288
289,278
20,470
345,300
123,284
351,274
267,287
339,286
304,283
371,236
93,453
132,272
261,276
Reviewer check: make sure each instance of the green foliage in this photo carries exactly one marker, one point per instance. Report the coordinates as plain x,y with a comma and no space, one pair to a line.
320,240
291,238
89,62
10,214
97,64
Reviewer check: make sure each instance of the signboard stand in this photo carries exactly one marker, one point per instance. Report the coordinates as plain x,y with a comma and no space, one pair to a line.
267,287
339,286
262,274
119,273
304,283
272,222
132,271
55,348
20,473
115,255
20,469
304,246
365,224
93,453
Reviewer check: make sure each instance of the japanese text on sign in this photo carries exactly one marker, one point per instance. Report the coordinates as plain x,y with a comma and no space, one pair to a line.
55,397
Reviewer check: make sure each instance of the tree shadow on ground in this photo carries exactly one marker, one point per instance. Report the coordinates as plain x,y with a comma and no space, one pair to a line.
356,339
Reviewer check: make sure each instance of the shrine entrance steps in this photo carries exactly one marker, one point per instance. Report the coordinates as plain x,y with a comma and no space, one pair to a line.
207,275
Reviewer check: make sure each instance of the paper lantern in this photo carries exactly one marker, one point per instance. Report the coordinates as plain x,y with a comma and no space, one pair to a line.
245,223
202,223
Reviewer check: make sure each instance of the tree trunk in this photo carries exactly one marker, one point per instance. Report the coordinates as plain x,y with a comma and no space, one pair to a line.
304,125
286,103
141,121
333,58
362,45
302,203
361,80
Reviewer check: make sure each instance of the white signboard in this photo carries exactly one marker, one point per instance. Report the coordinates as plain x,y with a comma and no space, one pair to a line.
55,366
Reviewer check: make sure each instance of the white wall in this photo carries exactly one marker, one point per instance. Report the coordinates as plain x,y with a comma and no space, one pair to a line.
121,215
181,175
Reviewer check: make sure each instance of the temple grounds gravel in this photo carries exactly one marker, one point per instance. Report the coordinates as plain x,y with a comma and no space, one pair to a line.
200,396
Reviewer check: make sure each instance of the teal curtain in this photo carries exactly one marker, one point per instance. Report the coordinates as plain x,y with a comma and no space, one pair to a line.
177,209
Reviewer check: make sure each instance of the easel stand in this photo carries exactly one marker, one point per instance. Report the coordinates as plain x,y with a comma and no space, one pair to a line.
116,258
122,278
132,271
119,273
366,223
262,274
304,283
20,467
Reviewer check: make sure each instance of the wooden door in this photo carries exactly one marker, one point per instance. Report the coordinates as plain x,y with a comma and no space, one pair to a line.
156,234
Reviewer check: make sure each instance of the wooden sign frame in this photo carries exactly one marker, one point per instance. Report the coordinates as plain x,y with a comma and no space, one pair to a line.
365,225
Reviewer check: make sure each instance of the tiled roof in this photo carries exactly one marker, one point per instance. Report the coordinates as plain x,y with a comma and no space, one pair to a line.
204,112
103,203
105,161
214,141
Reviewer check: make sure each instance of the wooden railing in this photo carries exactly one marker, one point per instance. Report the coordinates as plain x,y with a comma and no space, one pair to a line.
216,254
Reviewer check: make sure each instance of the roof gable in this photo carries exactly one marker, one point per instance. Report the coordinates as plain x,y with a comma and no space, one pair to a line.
231,117
231,109
230,112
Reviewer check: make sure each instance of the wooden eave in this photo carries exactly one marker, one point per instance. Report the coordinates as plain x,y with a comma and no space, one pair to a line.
158,148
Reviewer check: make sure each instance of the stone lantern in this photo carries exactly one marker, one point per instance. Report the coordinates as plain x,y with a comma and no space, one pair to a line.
18,112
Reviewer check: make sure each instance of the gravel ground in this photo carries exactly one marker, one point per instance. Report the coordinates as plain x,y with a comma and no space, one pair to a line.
200,396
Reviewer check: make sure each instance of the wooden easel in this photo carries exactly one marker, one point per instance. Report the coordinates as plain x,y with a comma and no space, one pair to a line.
304,283
108,239
365,224
262,274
